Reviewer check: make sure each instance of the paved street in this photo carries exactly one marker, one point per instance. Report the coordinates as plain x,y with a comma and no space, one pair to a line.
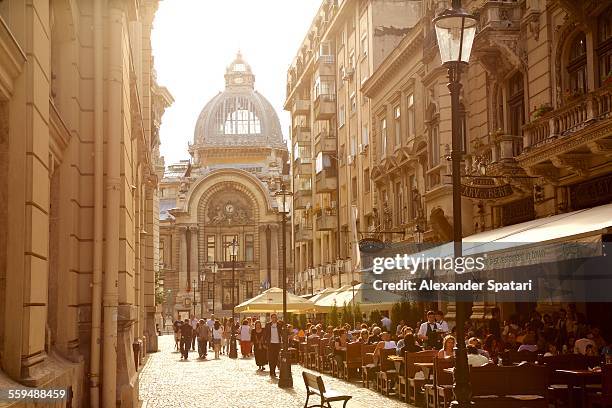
166,381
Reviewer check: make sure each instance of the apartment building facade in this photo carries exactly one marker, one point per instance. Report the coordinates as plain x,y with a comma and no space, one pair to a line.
80,111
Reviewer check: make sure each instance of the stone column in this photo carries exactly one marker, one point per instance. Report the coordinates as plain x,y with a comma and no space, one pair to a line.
182,258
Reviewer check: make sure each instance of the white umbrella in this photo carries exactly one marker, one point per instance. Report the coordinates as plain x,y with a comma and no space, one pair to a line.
271,301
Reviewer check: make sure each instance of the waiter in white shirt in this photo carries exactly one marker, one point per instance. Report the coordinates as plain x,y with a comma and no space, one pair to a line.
442,325
273,338
428,332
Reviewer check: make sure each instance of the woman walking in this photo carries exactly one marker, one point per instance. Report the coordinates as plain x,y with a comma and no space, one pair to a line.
259,346
227,330
245,339
217,335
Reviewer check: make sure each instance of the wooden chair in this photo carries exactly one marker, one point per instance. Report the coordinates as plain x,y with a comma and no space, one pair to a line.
353,359
604,398
312,345
315,386
558,391
414,385
323,363
440,392
520,356
386,374
366,363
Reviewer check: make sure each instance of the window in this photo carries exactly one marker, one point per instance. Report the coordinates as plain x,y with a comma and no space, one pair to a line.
341,116
161,253
365,137
414,197
353,103
237,116
249,248
325,49
516,106
227,244
352,60
366,180
577,66
248,289
398,126
303,153
341,74
411,115
399,203
364,45
323,87
211,291
434,147
210,248
354,188
383,138
304,183
322,162
353,146
342,38
604,46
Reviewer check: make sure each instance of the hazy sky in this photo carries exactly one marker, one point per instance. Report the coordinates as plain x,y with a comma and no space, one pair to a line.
195,40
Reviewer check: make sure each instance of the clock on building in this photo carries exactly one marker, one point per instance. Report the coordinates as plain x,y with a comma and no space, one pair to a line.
229,208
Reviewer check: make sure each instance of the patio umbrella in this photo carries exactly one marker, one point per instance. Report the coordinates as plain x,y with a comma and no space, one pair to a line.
367,297
271,301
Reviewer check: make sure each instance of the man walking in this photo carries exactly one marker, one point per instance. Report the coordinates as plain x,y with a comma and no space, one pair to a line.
202,333
186,338
211,323
272,338
194,326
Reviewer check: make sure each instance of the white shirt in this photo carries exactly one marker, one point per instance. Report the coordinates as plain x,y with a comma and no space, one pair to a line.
274,338
442,326
194,323
245,333
390,344
386,322
423,328
210,323
218,334
581,344
476,360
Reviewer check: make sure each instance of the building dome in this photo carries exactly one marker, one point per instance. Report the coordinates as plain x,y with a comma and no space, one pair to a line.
239,116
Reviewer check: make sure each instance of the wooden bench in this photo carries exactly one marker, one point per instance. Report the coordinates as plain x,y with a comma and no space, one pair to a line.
387,374
440,393
366,362
414,385
315,386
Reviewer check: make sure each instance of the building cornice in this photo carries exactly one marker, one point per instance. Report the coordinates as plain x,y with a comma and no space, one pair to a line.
12,59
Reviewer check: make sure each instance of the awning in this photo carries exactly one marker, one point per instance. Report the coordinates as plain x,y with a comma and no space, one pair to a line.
271,301
364,295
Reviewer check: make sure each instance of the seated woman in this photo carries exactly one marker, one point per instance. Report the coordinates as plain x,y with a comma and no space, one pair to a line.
448,346
409,345
386,343
363,336
340,343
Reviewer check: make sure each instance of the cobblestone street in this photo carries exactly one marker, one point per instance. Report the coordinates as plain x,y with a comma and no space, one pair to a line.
166,381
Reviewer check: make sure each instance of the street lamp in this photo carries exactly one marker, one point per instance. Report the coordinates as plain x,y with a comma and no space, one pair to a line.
283,197
311,273
455,31
202,279
233,247
214,269
195,302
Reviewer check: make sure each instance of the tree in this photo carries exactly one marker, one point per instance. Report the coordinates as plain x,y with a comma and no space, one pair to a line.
357,312
347,314
302,321
160,296
375,317
333,316
396,315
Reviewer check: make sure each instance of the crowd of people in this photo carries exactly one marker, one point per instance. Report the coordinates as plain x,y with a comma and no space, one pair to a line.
562,332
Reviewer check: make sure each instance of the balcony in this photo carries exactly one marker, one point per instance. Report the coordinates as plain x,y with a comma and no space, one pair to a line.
300,107
325,66
326,180
301,199
325,106
327,220
301,134
570,139
325,142
303,233
302,166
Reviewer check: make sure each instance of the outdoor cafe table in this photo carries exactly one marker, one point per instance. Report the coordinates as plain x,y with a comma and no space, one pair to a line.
397,361
426,368
578,378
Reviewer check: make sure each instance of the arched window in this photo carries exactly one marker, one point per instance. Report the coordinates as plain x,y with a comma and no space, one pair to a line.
604,46
577,65
237,116
516,106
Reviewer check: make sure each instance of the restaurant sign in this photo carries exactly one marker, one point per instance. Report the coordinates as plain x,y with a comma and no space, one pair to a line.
483,189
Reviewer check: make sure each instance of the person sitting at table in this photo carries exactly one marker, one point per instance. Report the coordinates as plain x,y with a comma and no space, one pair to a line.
448,346
493,346
580,346
329,332
474,358
529,343
314,334
363,336
340,343
385,343
375,336
475,341
551,350
408,344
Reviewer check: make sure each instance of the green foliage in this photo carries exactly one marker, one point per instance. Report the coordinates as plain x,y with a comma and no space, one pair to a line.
357,312
333,316
160,296
396,315
347,314
375,317
302,321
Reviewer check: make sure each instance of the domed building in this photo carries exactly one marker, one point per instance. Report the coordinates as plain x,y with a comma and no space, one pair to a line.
224,197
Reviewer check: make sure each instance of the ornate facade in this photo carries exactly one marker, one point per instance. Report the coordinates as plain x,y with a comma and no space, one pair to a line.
79,116
225,193
536,119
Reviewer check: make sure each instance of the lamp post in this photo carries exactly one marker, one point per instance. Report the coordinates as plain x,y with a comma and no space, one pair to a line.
283,196
214,269
194,297
202,279
311,276
455,31
233,253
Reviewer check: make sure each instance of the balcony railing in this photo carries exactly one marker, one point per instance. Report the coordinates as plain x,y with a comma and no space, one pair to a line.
301,106
327,220
303,233
325,106
301,134
500,15
301,199
325,142
326,180
303,166
571,118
